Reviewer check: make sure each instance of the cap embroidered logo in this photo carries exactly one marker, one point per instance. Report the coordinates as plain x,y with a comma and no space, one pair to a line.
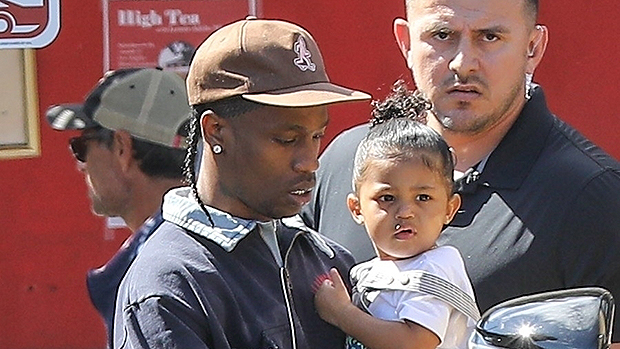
303,61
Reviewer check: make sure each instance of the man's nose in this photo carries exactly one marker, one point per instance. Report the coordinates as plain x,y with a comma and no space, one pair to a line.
80,166
307,158
465,60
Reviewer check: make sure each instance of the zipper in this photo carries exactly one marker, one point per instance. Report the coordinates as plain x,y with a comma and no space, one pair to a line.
287,289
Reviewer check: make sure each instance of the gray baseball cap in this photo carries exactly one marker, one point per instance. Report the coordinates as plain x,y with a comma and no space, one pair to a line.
150,104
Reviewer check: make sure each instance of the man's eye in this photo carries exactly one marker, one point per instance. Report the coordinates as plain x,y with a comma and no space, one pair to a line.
285,140
442,35
490,37
319,136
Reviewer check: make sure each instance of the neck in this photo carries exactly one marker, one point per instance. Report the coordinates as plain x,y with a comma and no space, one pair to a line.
471,148
147,199
215,193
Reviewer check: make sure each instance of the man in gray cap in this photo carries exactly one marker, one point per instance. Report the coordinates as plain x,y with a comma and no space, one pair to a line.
232,266
131,152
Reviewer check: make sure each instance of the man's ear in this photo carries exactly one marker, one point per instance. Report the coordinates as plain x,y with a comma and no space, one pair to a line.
536,47
401,34
353,203
122,148
211,127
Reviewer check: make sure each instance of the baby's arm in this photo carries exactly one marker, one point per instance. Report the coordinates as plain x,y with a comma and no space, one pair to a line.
334,306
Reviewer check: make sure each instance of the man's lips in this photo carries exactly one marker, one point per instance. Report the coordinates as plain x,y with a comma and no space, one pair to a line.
301,189
464,93
301,192
301,195
459,88
303,185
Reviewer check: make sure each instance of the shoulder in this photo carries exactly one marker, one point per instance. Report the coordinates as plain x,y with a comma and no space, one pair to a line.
351,135
577,168
567,149
439,260
445,262
173,242
168,263
346,142
549,150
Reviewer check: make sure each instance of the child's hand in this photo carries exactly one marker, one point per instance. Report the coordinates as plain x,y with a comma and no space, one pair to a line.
332,298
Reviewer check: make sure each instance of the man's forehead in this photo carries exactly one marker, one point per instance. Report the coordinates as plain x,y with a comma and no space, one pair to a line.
484,12
268,117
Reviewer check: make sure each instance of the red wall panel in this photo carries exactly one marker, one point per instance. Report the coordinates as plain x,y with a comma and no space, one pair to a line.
49,237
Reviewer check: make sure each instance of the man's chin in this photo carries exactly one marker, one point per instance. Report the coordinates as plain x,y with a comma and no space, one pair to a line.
98,210
283,212
98,213
460,120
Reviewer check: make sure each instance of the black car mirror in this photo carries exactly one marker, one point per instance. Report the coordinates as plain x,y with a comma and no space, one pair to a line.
579,318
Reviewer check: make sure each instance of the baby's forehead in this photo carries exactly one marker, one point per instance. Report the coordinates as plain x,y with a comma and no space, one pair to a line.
419,157
379,167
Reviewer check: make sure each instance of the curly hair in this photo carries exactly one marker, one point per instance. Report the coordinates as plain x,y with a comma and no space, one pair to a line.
398,133
401,103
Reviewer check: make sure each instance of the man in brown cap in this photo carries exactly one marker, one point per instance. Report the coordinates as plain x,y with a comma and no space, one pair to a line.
232,266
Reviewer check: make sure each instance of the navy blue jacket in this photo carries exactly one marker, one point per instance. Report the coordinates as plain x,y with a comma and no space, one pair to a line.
195,286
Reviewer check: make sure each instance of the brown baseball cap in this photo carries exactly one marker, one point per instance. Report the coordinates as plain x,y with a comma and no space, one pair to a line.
266,61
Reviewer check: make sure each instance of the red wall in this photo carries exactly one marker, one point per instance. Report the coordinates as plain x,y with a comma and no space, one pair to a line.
49,237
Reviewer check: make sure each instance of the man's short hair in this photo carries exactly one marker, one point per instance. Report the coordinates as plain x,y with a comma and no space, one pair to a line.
226,108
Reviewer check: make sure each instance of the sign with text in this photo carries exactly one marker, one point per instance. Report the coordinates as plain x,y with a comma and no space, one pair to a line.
28,23
163,33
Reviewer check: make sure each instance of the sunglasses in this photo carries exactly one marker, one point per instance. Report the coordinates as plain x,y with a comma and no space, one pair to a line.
79,145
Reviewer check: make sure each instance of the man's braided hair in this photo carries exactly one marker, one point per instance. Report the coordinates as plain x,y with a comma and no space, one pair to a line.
226,108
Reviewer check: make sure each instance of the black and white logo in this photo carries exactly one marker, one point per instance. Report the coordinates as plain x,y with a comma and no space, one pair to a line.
303,60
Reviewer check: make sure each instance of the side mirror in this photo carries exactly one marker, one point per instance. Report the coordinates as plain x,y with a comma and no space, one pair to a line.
574,318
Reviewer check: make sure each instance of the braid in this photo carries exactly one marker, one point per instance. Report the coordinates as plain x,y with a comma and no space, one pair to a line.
226,108
189,165
401,103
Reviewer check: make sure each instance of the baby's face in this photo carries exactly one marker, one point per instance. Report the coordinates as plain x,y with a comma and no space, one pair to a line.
404,206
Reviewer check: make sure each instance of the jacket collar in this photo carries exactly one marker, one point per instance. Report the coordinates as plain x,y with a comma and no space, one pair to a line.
181,208
511,161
